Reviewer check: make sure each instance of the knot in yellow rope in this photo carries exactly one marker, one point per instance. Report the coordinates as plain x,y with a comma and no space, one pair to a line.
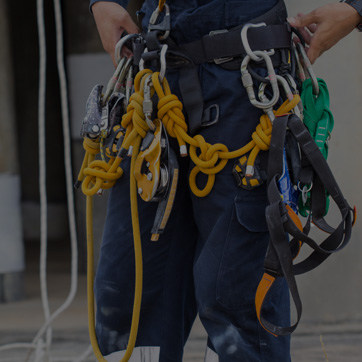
262,134
91,146
209,162
170,113
100,175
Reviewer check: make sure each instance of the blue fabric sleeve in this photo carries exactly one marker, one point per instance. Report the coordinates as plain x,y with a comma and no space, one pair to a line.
123,3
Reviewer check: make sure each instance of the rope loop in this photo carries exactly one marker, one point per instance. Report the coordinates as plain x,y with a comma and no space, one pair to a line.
99,175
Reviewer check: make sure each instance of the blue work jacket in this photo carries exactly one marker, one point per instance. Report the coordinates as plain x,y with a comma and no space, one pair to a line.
192,19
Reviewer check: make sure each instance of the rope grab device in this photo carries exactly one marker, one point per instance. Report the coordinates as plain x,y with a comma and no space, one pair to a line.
137,113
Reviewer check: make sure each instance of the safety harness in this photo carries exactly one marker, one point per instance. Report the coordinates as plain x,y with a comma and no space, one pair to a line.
123,122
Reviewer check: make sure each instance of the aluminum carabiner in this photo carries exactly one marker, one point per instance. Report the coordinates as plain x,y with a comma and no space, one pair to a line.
162,61
308,67
147,104
249,84
245,42
121,42
164,26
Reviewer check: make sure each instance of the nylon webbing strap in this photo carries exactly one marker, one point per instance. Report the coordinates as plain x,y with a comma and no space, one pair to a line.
192,97
229,45
279,258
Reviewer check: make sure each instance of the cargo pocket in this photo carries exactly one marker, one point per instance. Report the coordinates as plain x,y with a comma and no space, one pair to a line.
241,265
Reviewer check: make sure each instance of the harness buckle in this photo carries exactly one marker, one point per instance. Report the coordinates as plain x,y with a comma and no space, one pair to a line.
223,59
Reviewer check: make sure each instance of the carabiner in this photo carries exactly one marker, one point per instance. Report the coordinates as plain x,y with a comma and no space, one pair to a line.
308,67
162,61
147,104
248,80
121,42
164,26
245,41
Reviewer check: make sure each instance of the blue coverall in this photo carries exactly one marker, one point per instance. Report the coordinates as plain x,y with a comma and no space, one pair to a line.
209,259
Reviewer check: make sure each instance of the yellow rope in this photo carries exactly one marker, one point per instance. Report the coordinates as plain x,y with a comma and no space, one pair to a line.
211,158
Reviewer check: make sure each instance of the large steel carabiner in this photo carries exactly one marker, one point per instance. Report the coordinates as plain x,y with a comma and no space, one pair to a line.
249,84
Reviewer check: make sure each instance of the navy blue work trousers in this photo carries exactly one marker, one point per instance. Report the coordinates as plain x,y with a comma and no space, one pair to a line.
209,260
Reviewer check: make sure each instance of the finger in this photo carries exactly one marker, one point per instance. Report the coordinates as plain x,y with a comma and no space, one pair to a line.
312,27
313,54
305,34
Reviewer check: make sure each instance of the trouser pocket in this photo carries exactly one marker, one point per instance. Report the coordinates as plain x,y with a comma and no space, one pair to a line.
241,265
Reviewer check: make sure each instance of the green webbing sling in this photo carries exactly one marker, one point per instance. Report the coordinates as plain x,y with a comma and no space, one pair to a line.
319,120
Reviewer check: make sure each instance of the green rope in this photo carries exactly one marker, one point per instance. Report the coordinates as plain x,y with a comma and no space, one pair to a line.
319,120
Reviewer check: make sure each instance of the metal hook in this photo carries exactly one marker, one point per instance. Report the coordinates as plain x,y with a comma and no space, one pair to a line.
245,41
164,26
249,85
308,66
147,103
120,43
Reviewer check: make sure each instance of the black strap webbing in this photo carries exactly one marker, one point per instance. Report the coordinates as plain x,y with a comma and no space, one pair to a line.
229,45
279,258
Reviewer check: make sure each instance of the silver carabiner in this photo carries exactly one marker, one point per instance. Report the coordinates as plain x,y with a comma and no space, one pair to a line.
162,61
308,66
248,80
245,41
147,103
164,26
120,43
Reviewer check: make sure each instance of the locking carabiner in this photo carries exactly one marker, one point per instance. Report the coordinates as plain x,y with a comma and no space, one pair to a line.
248,80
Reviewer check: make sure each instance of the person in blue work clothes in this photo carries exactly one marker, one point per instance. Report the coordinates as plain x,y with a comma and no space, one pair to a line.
209,259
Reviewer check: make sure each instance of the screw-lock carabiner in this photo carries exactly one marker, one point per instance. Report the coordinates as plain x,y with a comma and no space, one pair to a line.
249,84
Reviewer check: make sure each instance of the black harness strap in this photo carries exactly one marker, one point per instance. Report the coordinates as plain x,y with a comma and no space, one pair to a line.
279,257
228,44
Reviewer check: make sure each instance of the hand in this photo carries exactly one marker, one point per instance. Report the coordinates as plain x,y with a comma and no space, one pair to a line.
112,20
325,26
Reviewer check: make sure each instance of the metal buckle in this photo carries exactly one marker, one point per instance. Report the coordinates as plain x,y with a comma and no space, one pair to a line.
222,59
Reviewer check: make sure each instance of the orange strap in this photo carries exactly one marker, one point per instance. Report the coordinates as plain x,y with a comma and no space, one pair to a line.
267,280
161,4
263,288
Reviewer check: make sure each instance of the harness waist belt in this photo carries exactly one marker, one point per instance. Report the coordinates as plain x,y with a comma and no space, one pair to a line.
225,44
